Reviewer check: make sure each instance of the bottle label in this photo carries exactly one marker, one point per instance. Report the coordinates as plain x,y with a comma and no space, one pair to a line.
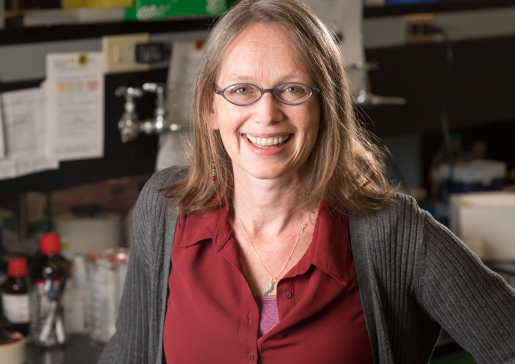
16,308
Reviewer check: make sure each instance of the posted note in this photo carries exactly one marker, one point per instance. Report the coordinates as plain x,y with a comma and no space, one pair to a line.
344,17
24,118
182,75
75,113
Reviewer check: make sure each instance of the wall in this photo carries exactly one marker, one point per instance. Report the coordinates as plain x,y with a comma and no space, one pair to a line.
482,89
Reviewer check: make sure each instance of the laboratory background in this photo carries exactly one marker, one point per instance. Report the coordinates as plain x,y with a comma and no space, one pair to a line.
95,96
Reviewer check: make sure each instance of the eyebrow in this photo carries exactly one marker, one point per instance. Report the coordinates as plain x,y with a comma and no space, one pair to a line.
250,79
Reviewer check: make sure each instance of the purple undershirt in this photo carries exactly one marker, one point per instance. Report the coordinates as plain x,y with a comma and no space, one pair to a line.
268,313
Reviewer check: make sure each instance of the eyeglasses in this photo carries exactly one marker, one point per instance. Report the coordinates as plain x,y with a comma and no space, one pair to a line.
290,93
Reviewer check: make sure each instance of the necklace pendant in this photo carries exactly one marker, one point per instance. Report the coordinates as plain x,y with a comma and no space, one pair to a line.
269,288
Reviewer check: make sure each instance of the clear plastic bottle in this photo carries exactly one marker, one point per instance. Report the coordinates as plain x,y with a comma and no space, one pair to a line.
76,299
15,295
49,276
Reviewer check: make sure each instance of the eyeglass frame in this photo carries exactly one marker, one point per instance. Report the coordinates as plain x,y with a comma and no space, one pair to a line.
314,91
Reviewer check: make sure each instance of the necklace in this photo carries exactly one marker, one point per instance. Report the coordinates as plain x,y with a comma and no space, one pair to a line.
273,279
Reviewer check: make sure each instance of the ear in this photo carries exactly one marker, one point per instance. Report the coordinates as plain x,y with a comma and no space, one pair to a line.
213,117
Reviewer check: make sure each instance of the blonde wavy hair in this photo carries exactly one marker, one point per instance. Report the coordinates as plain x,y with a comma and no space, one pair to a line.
345,167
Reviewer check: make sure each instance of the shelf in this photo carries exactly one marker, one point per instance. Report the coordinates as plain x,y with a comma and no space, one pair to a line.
14,33
20,35
439,7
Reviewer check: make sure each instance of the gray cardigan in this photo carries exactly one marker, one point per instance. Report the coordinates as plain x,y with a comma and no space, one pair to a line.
414,277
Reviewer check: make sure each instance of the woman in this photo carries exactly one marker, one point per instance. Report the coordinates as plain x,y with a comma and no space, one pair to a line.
284,242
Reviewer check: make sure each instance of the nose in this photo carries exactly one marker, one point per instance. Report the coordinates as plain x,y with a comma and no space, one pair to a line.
268,109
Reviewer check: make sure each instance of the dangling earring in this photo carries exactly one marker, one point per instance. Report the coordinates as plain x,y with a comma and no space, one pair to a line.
213,170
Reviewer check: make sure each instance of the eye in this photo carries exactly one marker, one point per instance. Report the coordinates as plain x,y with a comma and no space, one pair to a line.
292,88
242,90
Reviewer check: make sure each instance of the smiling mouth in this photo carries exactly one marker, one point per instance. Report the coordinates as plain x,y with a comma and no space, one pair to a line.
272,142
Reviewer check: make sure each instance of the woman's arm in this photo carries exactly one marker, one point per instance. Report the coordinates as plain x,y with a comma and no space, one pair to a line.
472,303
138,337
130,342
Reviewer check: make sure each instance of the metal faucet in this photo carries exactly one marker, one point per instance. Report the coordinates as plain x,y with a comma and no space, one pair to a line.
130,126
364,97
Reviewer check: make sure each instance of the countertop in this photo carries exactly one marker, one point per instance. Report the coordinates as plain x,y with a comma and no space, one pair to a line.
79,349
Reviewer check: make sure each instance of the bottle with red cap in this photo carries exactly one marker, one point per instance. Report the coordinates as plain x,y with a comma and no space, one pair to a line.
15,295
49,275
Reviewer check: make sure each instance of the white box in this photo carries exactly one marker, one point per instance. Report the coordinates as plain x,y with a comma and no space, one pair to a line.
485,221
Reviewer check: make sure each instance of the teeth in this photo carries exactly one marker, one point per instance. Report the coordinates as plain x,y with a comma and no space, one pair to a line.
266,142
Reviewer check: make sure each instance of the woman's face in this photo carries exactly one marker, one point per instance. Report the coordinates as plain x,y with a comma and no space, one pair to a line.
263,55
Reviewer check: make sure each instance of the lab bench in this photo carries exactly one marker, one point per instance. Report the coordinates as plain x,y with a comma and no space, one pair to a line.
79,349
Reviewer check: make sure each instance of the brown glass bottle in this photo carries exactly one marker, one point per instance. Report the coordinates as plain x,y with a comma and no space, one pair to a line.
49,261
15,295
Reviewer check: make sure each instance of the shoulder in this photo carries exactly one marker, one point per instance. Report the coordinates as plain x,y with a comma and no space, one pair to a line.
398,230
164,178
152,191
402,212
152,203
392,241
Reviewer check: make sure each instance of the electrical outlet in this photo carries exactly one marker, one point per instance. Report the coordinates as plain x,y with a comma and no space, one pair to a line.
414,24
120,52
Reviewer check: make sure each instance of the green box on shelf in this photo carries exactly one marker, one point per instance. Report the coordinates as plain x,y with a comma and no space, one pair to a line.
157,9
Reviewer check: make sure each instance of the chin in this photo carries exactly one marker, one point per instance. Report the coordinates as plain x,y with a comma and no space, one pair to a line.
267,174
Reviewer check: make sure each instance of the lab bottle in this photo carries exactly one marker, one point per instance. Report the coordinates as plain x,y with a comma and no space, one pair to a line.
107,274
76,298
15,295
49,277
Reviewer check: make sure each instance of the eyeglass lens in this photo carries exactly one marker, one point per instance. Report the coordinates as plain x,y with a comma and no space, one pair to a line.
289,93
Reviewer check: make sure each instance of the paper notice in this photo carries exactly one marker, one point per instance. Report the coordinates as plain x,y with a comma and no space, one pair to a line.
182,75
75,93
344,18
24,119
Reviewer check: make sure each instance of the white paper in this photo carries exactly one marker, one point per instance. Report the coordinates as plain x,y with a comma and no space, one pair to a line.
75,111
344,17
172,150
24,120
182,75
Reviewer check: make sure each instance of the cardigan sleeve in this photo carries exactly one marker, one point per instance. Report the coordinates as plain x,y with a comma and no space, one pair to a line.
130,342
472,303
137,329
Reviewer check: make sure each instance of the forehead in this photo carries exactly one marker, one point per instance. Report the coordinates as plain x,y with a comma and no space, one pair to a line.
262,53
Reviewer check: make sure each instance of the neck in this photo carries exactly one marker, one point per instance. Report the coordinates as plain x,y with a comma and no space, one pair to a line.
270,205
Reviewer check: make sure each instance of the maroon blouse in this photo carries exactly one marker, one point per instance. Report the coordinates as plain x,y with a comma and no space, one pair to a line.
212,316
